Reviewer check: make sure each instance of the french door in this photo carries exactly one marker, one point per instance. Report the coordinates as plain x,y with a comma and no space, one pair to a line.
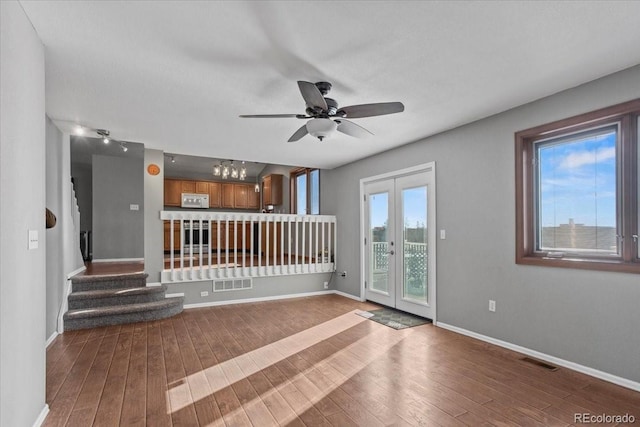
399,244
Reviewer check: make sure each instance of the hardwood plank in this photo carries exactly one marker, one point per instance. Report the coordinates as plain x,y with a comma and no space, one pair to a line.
135,392
62,405
262,364
110,405
158,409
180,400
86,405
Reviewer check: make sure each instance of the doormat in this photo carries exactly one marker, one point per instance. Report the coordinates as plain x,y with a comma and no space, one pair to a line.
394,318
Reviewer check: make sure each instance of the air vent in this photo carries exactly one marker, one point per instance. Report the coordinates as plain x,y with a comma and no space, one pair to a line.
540,363
232,285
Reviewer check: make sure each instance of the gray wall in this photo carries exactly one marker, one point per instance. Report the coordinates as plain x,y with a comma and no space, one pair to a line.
22,207
83,176
262,287
586,317
63,248
55,246
153,226
118,233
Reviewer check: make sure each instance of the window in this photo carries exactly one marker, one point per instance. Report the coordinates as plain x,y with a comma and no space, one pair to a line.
305,191
577,187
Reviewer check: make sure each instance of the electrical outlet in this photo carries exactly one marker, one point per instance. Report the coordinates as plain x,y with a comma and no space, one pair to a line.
326,285
492,305
204,293
343,274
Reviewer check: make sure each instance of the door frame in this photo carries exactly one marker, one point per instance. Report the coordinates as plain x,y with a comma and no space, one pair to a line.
425,167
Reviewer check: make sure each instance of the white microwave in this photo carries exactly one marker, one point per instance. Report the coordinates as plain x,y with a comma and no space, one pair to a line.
195,201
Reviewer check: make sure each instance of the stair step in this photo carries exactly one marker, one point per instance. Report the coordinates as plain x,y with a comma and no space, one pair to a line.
128,313
112,281
110,297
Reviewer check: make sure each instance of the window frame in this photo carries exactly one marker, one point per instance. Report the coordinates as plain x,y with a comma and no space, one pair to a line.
294,174
626,115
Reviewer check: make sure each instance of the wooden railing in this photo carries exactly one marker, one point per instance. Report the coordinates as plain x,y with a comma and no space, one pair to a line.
216,245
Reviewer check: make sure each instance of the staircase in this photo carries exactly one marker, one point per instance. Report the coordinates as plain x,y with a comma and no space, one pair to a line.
115,299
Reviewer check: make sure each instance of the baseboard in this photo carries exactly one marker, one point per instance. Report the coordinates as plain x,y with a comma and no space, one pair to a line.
51,338
259,299
346,295
117,260
77,271
180,294
43,415
624,382
154,284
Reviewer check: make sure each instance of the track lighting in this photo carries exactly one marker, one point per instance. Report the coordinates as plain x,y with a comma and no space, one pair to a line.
124,147
173,159
79,130
104,134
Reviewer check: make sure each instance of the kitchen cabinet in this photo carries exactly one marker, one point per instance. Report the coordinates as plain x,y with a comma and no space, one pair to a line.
214,194
272,190
202,187
239,241
177,241
240,196
275,229
228,193
253,198
188,186
172,192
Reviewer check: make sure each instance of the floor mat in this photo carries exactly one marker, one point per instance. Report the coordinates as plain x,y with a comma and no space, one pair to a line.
395,319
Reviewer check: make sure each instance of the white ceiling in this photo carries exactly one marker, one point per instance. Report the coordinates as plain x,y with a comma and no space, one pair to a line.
175,75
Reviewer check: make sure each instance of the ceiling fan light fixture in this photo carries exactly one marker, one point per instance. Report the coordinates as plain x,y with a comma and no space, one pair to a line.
321,128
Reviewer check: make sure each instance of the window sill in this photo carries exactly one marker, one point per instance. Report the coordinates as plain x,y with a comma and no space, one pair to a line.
581,263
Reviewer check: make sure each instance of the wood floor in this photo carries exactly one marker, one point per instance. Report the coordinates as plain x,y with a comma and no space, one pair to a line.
307,361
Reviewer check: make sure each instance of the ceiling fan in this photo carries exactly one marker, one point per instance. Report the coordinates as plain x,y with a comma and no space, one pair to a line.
325,116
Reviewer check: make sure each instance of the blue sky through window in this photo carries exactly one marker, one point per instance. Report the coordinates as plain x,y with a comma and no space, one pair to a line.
577,181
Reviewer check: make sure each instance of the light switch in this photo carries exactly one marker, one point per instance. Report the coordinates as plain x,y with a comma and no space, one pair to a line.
33,239
134,207
443,234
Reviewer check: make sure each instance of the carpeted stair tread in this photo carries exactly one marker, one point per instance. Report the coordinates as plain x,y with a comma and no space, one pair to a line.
113,281
106,293
108,277
106,297
116,299
117,315
123,309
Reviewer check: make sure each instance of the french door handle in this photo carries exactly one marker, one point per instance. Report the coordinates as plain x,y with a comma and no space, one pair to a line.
391,252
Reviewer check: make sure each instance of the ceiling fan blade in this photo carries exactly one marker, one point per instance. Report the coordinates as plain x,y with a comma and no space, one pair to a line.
369,110
268,116
352,129
312,95
299,134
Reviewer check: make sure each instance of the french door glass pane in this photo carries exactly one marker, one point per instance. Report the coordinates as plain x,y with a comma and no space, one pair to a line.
576,193
638,187
378,223
414,217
